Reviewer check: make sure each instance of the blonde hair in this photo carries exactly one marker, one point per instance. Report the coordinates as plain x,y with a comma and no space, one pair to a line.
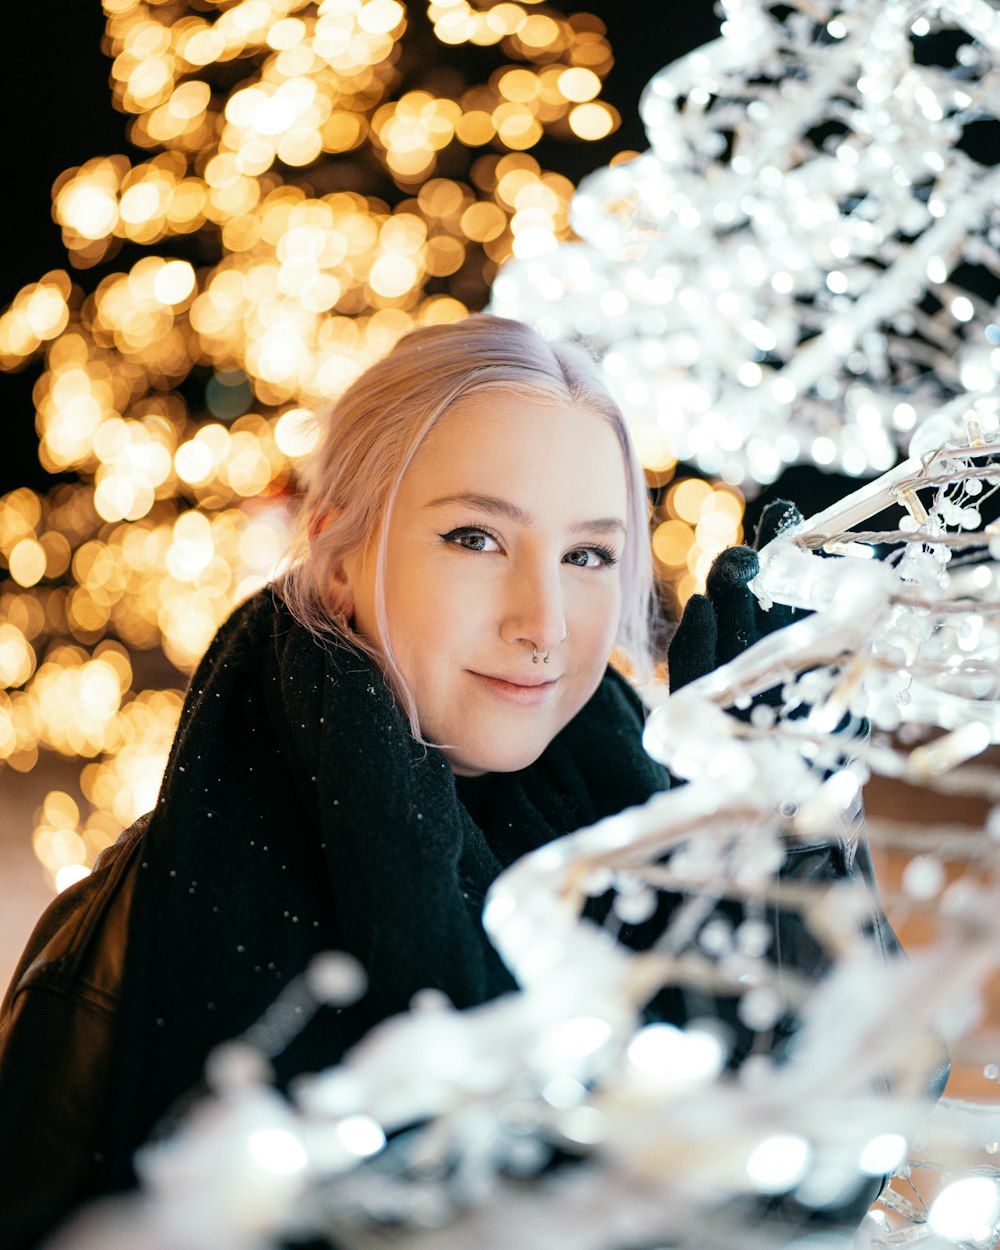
373,431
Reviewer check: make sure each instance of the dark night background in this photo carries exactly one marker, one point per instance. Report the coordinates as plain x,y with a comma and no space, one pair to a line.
56,105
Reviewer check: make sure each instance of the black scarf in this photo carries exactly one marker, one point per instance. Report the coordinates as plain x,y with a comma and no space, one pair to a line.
297,815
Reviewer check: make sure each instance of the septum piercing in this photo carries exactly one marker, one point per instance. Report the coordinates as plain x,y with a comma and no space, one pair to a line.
535,653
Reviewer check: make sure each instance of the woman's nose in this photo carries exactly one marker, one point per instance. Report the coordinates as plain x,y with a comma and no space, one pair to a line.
535,611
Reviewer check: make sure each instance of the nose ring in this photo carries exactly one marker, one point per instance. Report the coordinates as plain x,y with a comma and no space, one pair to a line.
535,653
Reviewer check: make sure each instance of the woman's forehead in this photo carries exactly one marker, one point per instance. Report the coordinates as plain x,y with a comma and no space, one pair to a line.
496,441
491,418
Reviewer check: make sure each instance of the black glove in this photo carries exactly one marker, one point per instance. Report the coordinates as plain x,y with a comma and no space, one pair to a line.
718,626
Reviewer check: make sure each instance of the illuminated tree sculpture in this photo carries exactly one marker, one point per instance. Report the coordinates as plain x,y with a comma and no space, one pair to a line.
321,177
803,265
435,1131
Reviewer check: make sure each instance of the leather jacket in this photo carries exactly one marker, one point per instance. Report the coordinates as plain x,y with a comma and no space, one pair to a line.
57,1026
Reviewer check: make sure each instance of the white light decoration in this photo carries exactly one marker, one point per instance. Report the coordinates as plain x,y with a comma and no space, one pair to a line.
780,278
797,270
966,1210
665,1054
441,1122
778,1163
882,1154
277,1150
361,1135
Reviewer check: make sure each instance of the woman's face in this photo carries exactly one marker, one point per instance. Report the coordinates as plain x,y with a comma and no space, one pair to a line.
505,537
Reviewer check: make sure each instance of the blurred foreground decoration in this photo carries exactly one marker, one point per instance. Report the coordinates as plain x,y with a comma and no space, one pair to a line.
321,178
437,1130
804,264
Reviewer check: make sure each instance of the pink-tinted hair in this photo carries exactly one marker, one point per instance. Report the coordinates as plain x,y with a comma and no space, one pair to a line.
373,431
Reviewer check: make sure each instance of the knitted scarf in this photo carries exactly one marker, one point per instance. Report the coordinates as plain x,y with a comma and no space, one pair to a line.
297,815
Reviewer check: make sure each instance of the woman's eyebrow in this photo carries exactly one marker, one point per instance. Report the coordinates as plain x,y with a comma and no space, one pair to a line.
486,503
504,508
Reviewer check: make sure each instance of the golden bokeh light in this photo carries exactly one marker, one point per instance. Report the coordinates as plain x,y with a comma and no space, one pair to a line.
696,521
308,188
17,657
593,120
687,498
26,562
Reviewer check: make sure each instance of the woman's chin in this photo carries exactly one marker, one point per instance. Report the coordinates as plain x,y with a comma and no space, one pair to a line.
496,757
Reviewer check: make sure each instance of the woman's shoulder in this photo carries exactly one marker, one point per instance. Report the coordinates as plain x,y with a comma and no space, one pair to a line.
243,627
264,622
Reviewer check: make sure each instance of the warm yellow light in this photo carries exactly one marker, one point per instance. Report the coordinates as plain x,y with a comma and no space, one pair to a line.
729,503
274,114
174,282
70,874
381,17
714,531
296,432
517,125
483,221
189,100
114,498
17,656
687,498
475,128
203,45
90,211
506,19
148,83
297,289
300,146
671,543
444,255
286,33
46,312
192,550
592,121
251,15
60,810
519,85
654,448
539,31
27,562
441,309
579,84
140,202
403,232
393,275
59,848
699,562
342,130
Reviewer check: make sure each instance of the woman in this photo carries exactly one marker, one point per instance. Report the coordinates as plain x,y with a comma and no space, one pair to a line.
474,544
421,699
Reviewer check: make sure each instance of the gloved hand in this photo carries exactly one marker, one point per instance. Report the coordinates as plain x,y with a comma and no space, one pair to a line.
718,626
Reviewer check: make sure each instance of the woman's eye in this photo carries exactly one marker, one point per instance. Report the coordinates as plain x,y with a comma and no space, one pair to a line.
590,557
472,539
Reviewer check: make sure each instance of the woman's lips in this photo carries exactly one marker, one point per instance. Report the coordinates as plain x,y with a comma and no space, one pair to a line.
514,688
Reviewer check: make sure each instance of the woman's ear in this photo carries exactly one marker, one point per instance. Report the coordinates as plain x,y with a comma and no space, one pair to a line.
349,580
339,593
358,588
319,519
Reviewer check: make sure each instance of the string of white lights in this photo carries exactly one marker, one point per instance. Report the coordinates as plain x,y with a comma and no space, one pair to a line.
798,269
671,1136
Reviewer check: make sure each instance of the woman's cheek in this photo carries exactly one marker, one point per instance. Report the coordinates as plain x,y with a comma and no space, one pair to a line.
599,619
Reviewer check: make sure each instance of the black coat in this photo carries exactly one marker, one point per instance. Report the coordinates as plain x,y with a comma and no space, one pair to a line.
297,815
